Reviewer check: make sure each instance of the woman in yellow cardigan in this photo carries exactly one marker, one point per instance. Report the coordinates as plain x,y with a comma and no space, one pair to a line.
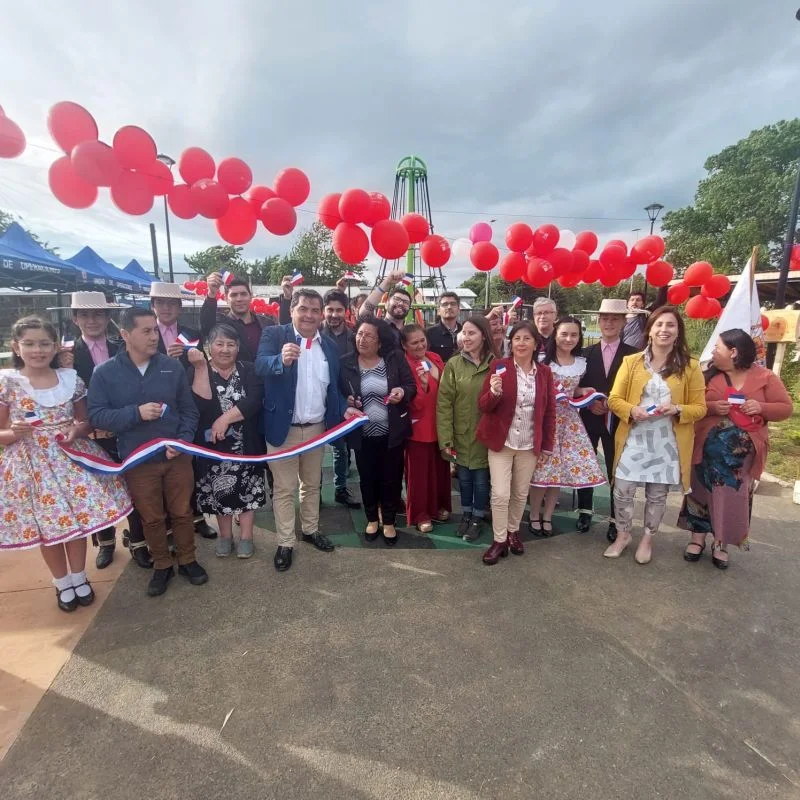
658,395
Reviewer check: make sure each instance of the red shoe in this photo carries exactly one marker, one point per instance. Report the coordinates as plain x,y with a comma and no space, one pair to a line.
497,551
515,543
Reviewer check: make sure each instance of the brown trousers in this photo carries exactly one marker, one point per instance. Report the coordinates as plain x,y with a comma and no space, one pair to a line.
151,486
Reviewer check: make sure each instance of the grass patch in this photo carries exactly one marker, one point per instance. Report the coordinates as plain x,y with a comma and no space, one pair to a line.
784,447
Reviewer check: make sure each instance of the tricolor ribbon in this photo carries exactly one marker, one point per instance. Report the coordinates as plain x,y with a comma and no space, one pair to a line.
652,410
406,280
737,399
500,369
227,277
142,454
305,343
426,365
580,402
186,341
67,343
516,301
296,279
33,419
164,409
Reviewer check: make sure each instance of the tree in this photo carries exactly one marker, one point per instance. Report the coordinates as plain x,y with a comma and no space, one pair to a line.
314,257
216,259
742,203
6,219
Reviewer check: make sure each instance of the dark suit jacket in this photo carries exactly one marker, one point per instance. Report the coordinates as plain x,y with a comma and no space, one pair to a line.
210,316
83,363
189,333
596,377
280,383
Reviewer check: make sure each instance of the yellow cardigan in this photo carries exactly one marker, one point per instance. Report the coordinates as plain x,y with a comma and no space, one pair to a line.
688,391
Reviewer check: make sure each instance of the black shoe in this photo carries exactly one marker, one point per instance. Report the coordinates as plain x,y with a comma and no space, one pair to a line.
158,583
474,530
584,522
463,526
535,526
194,573
611,533
342,496
70,606
105,555
371,537
204,529
89,598
141,555
283,558
319,541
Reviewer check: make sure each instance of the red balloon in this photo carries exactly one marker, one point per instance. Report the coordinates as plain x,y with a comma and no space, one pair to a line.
70,124
258,195
68,186
626,270
659,273
181,202
416,226
328,210
677,294
698,273
159,176
278,216
350,243
608,277
95,162
545,239
539,272
713,308
795,257
435,251
131,193
569,280
201,284
210,199
764,322
716,286
586,241
697,307
379,208
484,256
519,237
512,267
239,224
561,260
612,257
293,186
618,243
354,205
12,139
648,249
390,239
592,273
580,262
201,291
195,164
234,175
134,147
189,286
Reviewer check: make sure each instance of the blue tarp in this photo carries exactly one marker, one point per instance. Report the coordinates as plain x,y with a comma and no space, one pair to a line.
135,269
115,278
26,264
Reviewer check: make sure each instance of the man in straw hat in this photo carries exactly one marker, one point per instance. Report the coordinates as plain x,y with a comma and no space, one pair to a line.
603,361
91,313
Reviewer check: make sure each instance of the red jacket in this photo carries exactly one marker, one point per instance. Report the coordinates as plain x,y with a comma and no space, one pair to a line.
423,406
498,412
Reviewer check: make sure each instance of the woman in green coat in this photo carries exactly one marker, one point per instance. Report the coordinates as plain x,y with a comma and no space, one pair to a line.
457,417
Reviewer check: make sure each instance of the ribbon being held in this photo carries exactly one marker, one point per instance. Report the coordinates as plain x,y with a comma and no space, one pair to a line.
580,402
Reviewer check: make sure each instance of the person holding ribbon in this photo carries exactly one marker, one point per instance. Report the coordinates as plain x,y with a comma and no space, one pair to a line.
517,426
378,382
143,395
427,473
49,501
658,396
229,396
574,463
730,446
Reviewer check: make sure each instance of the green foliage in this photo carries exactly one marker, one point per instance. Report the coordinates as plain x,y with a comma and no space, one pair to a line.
742,203
6,219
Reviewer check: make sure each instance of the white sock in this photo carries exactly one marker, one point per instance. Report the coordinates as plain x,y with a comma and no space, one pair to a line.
64,586
79,578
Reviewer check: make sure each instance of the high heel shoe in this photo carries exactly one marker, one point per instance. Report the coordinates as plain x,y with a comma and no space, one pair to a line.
640,557
497,551
372,532
618,547
718,562
389,541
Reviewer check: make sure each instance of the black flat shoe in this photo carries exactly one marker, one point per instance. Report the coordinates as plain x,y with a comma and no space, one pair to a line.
70,606
319,541
158,583
141,555
718,562
343,497
694,556
546,532
89,598
283,558
194,573
204,529
389,541
371,537
611,533
535,526
105,555
584,522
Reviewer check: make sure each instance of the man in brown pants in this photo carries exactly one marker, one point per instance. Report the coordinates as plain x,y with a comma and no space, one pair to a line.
142,395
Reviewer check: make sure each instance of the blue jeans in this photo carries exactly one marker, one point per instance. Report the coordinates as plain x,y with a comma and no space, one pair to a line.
474,486
341,463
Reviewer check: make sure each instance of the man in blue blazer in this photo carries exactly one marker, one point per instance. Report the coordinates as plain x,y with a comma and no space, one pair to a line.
300,369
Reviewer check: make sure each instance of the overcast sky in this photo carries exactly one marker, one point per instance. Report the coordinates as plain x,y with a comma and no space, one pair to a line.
580,113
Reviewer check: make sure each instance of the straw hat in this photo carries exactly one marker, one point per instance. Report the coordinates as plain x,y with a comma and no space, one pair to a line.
165,291
89,301
613,306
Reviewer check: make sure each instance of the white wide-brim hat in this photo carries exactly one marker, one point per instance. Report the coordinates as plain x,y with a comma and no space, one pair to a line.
89,301
165,291
615,306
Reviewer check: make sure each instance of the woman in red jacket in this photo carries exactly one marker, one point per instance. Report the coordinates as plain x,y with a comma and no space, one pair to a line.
518,426
427,473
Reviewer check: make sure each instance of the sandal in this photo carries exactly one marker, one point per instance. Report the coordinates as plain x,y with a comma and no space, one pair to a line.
535,531
694,556
545,531
425,527
718,562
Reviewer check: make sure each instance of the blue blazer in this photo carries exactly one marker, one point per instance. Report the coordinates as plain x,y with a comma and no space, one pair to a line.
280,383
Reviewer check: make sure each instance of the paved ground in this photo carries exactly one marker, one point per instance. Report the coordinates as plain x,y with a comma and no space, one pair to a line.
419,673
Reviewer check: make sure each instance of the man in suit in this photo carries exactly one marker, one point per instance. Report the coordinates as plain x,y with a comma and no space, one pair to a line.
442,336
300,368
167,304
603,360
91,314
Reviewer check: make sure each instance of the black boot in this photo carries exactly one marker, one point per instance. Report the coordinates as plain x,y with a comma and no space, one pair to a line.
204,529
141,555
105,555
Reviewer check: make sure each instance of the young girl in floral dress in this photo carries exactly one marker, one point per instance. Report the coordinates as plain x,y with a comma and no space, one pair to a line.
49,501
574,464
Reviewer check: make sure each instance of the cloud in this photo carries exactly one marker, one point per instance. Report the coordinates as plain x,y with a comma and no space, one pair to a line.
578,113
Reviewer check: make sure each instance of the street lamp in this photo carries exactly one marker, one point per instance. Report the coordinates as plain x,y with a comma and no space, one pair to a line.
653,210
170,162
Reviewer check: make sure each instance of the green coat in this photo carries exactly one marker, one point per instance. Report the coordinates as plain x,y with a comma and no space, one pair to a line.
457,413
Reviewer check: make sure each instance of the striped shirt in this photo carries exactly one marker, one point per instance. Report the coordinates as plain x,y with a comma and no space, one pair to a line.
520,433
374,388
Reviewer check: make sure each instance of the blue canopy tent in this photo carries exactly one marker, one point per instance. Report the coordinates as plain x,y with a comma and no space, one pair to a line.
135,269
115,279
27,266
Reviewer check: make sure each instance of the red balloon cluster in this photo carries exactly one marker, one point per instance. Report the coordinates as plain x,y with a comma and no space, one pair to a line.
12,139
713,287
259,305
794,261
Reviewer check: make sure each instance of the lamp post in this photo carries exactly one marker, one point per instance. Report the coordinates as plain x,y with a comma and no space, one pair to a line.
170,162
488,274
653,210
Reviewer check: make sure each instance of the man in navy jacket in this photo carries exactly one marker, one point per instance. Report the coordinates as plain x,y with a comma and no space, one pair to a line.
300,369
142,395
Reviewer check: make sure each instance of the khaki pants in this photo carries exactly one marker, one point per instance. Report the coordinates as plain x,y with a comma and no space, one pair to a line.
511,472
153,484
305,470
655,504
